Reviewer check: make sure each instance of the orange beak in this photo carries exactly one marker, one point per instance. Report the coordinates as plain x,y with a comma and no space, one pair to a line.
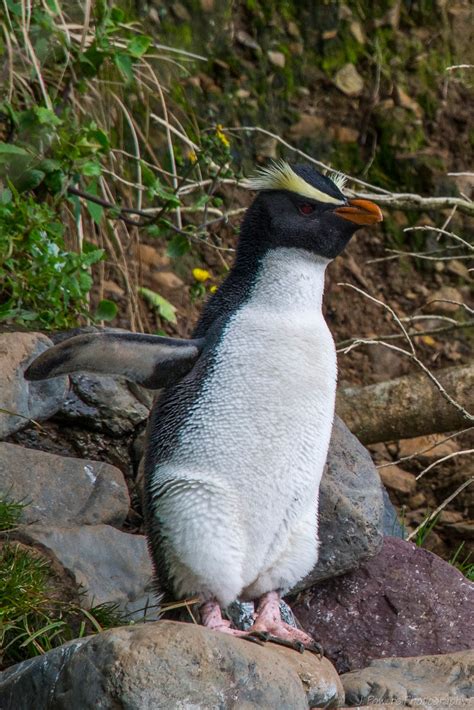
360,212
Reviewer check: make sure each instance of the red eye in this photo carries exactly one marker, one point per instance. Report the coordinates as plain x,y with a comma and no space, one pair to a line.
306,208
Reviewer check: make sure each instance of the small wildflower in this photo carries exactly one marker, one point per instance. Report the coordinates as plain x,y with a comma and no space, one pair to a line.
213,288
192,157
201,275
428,340
222,136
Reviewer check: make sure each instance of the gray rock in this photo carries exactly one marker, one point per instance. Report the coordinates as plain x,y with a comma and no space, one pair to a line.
443,681
406,601
61,490
29,400
103,403
111,566
351,508
392,527
169,665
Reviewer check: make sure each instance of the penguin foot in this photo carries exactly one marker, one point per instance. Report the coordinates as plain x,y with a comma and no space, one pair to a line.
211,617
269,627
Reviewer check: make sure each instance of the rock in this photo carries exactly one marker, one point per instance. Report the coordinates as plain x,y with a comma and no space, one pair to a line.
357,32
169,665
391,524
166,279
445,300
307,127
278,59
459,268
344,134
442,681
29,400
407,102
246,40
397,479
403,602
430,447
112,566
61,490
103,403
351,508
349,81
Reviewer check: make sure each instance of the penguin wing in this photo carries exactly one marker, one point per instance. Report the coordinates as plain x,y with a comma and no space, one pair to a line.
152,361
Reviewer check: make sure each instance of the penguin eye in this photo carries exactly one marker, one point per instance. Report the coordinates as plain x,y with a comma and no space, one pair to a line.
306,208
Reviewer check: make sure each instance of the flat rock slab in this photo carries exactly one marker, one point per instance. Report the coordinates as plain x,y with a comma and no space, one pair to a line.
406,601
29,400
61,490
443,681
110,565
167,665
351,512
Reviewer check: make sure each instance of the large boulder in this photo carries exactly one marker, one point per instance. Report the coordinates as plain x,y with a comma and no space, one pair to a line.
62,490
406,601
169,665
351,513
22,401
443,681
109,565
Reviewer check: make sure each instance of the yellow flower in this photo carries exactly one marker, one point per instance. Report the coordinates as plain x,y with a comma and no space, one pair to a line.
192,157
213,289
201,275
222,136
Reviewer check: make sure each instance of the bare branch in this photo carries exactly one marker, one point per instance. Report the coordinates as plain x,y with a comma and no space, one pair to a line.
443,505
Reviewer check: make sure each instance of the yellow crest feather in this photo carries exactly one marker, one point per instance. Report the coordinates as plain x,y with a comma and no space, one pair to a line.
280,176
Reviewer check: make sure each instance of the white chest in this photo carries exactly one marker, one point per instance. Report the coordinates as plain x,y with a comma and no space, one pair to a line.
266,410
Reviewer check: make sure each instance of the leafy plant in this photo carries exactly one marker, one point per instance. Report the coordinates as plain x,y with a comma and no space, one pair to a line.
42,282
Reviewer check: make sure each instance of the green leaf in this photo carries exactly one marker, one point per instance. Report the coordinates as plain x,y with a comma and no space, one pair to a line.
91,169
124,65
106,310
29,180
96,211
148,176
49,166
178,246
47,117
117,15
164,307
100,137
138,45
10,149
5,196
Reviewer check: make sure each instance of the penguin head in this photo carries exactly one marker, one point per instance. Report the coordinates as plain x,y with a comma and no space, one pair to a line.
299,207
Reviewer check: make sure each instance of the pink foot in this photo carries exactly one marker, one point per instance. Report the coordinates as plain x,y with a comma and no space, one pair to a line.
268,623
211,617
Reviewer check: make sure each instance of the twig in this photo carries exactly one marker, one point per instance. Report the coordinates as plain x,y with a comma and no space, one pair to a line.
440,507
424,451
425,228
445,458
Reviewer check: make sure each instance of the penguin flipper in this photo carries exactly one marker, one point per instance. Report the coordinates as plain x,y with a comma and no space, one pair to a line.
152,361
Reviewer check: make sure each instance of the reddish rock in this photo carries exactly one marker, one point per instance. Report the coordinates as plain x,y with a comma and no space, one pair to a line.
405,601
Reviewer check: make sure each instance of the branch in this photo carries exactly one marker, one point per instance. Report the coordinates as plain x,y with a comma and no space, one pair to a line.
408,406
410,201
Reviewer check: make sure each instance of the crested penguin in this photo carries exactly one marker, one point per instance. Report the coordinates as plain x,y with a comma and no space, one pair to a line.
238,439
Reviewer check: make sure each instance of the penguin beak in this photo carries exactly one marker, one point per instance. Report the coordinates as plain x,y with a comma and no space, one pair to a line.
360,212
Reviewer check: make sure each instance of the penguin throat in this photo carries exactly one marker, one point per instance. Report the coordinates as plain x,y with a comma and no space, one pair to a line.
290,279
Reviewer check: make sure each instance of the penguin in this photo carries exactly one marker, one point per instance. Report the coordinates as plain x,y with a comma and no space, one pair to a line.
238,439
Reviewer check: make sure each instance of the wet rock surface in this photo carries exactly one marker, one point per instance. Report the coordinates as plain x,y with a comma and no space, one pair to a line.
29,400
109,565
426,681
169,665
60,490
405,601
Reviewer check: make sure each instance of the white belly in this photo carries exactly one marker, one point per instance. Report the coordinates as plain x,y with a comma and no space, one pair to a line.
260,430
